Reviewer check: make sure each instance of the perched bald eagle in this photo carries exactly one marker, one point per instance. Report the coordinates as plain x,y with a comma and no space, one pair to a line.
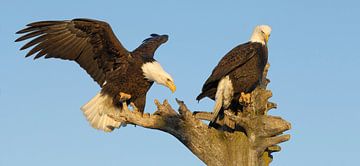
123,76
239,71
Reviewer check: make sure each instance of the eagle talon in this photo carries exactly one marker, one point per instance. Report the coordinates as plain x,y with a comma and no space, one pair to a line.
124,96
245,98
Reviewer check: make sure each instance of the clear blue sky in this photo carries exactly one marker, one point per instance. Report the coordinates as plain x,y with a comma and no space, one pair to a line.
314,76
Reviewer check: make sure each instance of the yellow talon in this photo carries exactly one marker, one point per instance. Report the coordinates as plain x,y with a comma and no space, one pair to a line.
245,98
124,96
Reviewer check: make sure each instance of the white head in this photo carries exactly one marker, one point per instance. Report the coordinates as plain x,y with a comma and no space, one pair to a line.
154,72
261,34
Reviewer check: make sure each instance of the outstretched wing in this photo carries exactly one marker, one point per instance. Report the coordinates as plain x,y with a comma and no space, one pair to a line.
91,43
232,60
149,45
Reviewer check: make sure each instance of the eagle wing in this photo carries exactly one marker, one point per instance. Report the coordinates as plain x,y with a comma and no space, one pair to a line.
91,43
238,56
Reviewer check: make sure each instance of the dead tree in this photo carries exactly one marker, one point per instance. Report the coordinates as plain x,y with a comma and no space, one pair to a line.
246,137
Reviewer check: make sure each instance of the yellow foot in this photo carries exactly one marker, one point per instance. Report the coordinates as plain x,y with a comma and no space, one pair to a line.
124,96
245,98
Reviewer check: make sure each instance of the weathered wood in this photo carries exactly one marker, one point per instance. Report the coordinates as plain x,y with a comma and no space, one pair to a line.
249,141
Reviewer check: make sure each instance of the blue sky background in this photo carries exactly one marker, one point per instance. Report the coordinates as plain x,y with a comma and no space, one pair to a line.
314,76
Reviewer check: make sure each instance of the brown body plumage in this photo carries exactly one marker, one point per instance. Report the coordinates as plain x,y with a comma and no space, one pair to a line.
94,46
239,71
244,64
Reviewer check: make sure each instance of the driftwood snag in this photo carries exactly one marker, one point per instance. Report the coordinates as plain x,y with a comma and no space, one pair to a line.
247,138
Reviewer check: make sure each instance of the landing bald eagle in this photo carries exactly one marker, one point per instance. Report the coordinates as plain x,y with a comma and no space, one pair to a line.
122,75
239,71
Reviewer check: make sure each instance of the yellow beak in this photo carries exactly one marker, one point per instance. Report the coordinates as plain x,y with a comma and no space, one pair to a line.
267,38
171,86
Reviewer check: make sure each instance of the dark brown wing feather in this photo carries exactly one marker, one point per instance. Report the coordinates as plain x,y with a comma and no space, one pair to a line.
149,45
232,60
91,43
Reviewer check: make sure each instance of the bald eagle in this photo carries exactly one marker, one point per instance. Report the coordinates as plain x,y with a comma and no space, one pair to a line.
239,71
122,75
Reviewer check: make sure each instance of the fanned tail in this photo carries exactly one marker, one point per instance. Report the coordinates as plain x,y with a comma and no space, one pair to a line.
96,111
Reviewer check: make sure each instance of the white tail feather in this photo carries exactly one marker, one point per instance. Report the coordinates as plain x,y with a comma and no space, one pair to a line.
96,111
218,105
223,96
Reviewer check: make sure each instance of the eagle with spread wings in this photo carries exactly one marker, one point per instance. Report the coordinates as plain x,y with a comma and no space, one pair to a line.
124,76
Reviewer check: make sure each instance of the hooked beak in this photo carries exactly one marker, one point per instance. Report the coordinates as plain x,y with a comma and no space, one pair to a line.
171,86
267,38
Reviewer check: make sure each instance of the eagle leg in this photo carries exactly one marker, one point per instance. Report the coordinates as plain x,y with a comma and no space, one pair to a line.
124,96
245,98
